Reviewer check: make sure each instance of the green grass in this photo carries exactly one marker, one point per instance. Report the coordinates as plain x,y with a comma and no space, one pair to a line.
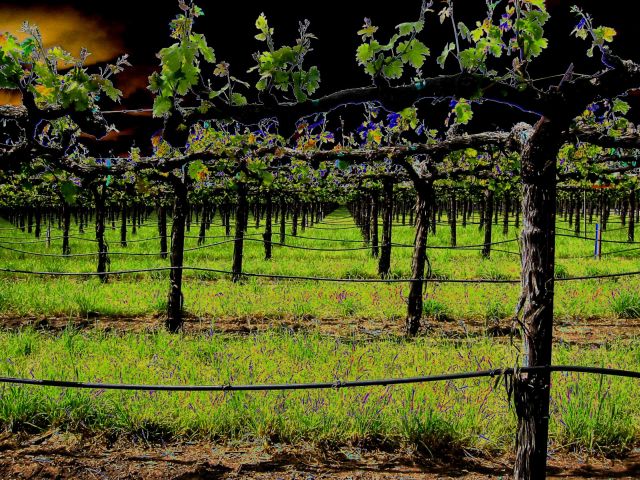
212,296
589,412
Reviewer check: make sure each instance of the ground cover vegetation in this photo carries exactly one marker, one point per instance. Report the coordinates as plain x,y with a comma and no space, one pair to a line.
434,225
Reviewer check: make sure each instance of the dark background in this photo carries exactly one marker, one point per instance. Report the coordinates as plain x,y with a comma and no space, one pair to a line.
140,28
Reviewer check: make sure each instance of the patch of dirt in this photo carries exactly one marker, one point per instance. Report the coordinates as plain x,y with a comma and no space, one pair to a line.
68,456
593,331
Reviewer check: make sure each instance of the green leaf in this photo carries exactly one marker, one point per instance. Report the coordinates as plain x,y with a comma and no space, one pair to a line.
366,52
267,178
620,106
238,99
367,30
69,191
441,60
313,80
414,53
341,164
393,69
161,105
195,168
410,27
463,112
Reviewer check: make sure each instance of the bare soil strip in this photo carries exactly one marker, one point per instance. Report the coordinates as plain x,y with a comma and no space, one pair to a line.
68,456
581,332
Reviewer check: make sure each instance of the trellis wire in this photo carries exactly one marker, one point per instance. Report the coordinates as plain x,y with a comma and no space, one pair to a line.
337,384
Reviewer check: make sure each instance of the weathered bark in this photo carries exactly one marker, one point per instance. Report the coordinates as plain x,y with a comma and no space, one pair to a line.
227,224
507,211
257,214
384,263
202,234
453,220
538,263
433,223
486,250
632,216
267,236
241,225
103,258
424,202
569,211
283,221
123,225
365,219
81,217
375,244
66,224
465,210
162,230
294,220
176,299
134,220
38,222
579,206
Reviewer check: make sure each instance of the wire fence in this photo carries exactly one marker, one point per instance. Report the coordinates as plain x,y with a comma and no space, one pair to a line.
336,384
434,279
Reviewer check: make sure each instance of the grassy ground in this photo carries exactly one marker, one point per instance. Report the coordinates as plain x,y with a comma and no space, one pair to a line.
212,296
593,413
589,412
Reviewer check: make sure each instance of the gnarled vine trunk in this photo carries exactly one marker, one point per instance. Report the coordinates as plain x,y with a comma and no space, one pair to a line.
176,299
267,236
103,258
486,249
66,224
384,263
162,230
241,225
375,244
424,205
532,390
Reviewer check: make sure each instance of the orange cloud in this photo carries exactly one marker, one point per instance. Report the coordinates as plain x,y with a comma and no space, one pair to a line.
9,97
68,28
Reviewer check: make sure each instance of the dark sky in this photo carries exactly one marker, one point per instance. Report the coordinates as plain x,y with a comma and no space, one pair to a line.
140,28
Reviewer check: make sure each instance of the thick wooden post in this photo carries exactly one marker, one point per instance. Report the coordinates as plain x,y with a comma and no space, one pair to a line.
453,219
267,236
424,205
162,230
66,224
103,258
176,299
632,216
283,221
486,250
375,244
507,211
532,391
241,225
294,219
123,225
384,263
38,222
202,233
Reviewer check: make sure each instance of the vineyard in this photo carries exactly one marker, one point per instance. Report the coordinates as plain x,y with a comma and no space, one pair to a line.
441,266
